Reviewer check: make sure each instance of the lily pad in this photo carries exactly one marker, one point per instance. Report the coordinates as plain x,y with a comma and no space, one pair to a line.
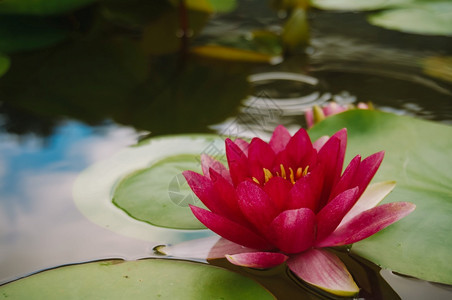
430,18
160,195
144,279
356,5
147,187
417,157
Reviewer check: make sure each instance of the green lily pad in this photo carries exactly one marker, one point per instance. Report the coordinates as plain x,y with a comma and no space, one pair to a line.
41,7
5,62
429,18
417,157
160,195
144,279
356,5
145,184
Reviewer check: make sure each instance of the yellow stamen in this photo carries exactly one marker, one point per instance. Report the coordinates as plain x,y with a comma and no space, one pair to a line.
305,171
283,171
267,175
255,180
299,172
292,176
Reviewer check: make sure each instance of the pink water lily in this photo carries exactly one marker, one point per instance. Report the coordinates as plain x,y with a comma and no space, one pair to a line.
288,199
317,113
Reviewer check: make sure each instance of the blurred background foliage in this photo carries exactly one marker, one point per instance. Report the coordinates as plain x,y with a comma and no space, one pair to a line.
158,65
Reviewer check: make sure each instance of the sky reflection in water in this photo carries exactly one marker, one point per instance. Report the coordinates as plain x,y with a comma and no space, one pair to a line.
37,213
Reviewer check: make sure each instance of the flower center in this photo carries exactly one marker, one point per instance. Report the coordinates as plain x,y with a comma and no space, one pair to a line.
291,175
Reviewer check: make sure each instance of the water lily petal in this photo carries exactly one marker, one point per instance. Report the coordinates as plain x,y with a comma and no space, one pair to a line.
204,189
367,170
258,260
278,189
260,155
342,136
346,180
318,144
367,223
328,158
279,139
302,195
331,215
325,271
211,247
369,199
299,151
237,161
256,205
229,199
293,231
242,144
230,230
223,247
208,162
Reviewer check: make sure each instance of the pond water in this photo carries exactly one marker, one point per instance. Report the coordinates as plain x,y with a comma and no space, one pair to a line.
81,99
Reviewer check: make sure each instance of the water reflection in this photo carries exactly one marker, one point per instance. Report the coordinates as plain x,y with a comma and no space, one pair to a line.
40,225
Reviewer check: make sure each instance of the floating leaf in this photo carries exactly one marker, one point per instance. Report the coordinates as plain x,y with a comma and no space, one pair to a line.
418,159
41,7
234,54
356,5
158,194
4,64
144,279
430,18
